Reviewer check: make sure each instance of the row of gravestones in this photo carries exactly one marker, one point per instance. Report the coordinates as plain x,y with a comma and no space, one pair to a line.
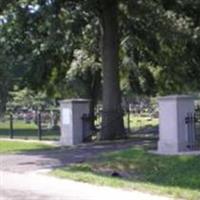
173,135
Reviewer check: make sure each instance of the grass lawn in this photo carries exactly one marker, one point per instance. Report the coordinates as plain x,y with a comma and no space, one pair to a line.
18,124
176,176
17,146
137,122
31,134
23,130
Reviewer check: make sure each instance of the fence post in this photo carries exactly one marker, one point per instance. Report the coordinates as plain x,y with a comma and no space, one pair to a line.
39,126
11,126
128,118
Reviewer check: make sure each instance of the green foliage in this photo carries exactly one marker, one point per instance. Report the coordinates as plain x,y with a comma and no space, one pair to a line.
85,71
163,35
28,98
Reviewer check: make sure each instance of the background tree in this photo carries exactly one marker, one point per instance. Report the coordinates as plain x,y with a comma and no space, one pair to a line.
86,71
48,25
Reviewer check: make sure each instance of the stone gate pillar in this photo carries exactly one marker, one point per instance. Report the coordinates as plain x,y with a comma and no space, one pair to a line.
172,128
71,122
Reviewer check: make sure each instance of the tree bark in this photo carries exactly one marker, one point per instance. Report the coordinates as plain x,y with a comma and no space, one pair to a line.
3,101
112,121
94,95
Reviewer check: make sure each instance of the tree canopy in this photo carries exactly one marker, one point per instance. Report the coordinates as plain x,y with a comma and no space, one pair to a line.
145,47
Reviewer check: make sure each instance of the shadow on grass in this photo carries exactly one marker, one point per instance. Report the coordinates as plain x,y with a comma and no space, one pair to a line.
63,156
177,175
160,183
173,171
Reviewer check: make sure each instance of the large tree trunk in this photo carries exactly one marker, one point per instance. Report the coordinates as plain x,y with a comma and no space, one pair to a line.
94,95
3,100
112,122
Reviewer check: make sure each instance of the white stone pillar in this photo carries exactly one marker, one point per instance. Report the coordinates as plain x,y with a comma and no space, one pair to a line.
172,128
71,120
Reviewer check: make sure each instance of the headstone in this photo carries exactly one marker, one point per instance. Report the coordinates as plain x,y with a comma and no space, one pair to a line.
71,120
172,127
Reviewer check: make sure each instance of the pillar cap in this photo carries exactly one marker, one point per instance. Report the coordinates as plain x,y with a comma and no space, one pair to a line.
176,97
74,101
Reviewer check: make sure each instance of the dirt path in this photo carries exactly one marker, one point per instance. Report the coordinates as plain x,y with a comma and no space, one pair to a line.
30,186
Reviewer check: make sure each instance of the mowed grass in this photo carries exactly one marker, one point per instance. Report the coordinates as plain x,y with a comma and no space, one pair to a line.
18,146
176,176
23,130
18,124
137,122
